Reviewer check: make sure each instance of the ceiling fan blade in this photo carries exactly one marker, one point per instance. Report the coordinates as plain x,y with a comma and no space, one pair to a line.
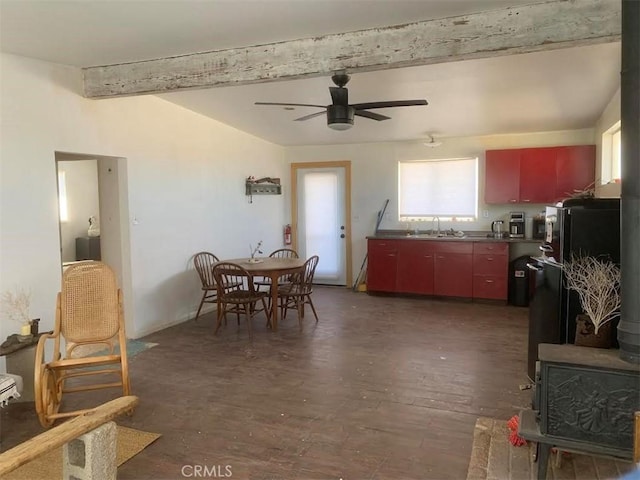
290,104
393,103
371,115
339,96
307,117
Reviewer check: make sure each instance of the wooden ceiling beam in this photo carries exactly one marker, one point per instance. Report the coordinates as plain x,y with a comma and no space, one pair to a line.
524,29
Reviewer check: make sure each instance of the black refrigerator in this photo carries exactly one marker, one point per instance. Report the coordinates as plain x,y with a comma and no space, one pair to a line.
580,227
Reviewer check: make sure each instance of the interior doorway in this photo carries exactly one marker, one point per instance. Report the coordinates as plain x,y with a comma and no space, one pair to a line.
321,214
96,186
78,191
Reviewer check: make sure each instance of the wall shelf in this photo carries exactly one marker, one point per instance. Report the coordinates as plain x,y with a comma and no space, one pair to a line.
263,186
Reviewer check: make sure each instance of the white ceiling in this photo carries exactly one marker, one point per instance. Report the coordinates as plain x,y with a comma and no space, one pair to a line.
554,90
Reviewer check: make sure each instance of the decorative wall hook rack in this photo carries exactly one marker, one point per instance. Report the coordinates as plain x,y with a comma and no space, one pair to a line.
263,186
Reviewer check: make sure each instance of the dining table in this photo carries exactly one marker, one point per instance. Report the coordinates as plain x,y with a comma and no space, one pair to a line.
272,268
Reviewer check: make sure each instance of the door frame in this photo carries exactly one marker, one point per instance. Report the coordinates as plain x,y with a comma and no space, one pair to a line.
346,164
115,238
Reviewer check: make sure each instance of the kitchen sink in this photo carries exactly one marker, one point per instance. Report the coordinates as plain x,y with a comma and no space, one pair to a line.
436,235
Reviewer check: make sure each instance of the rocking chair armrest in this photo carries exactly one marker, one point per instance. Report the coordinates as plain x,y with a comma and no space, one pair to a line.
40,347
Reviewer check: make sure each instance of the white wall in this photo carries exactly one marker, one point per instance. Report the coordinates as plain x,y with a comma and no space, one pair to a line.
185,180
609,117
375,173
81,177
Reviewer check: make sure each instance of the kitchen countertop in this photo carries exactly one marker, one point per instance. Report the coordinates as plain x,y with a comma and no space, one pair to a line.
468,237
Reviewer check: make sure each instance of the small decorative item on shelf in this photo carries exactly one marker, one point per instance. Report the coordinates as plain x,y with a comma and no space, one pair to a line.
94,228
35,326
254,251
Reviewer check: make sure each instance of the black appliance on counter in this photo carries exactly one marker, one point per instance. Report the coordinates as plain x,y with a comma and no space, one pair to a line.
538,226
516,225
589,226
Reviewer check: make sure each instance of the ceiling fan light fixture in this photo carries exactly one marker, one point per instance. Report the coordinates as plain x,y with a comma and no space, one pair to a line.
340,117
340,126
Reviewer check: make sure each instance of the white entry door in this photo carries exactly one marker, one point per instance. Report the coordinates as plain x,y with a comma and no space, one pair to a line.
321,204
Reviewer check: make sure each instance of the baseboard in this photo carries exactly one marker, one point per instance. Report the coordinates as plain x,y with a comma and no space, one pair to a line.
183,318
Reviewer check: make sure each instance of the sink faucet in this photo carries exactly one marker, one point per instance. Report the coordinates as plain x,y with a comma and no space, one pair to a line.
436,219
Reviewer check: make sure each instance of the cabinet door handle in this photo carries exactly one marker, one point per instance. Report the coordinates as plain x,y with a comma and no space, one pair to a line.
513,200
489,281
427,256
391,254
439,256
489,259
526,200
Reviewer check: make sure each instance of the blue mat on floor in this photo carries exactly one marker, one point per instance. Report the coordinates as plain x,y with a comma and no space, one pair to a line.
134,347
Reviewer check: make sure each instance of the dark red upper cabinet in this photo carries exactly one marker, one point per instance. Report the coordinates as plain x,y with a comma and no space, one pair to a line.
502,176
537,175
575,169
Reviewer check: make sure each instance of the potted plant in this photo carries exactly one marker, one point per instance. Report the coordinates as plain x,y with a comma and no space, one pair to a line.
597,283
16,307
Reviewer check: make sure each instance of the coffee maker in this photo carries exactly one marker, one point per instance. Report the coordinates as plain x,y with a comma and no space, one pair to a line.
516,225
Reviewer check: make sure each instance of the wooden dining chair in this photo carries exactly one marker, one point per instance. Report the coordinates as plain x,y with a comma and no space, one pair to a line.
283,280
241,299
298,293
204,262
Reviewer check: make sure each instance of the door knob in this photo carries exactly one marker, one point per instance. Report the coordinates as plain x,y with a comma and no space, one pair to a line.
342,235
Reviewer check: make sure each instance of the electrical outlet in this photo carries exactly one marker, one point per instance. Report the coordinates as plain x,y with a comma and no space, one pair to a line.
485,213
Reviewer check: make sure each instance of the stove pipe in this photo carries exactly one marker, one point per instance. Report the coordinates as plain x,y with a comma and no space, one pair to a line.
629,326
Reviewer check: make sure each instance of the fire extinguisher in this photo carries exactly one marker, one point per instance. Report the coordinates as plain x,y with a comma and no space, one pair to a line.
287,234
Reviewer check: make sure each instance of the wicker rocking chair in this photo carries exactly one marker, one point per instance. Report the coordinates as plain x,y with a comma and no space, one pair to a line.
89,316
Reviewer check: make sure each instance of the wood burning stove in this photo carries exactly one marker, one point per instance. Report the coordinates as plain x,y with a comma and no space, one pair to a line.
584,401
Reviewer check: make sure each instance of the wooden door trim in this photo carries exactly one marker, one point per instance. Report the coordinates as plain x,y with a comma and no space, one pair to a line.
346,164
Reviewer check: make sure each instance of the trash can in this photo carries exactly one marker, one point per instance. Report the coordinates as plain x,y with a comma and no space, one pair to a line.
519,281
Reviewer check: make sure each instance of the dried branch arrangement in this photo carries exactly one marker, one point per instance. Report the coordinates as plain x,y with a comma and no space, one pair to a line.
255,251
15,305
587,192
597,283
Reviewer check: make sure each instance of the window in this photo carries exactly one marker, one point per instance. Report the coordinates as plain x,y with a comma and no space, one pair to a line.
446,188
611,158
62,197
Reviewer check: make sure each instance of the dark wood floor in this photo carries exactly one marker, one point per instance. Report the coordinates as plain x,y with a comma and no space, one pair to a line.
380,388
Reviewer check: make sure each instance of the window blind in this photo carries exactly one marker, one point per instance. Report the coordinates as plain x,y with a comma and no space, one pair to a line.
442,188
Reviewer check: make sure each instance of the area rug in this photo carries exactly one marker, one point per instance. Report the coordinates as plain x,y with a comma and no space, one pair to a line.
134,347
494,458
49,466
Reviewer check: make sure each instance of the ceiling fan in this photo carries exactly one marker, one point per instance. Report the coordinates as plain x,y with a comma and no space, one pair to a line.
340,113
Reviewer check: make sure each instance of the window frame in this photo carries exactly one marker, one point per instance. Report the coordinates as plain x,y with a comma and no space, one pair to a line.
610,157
